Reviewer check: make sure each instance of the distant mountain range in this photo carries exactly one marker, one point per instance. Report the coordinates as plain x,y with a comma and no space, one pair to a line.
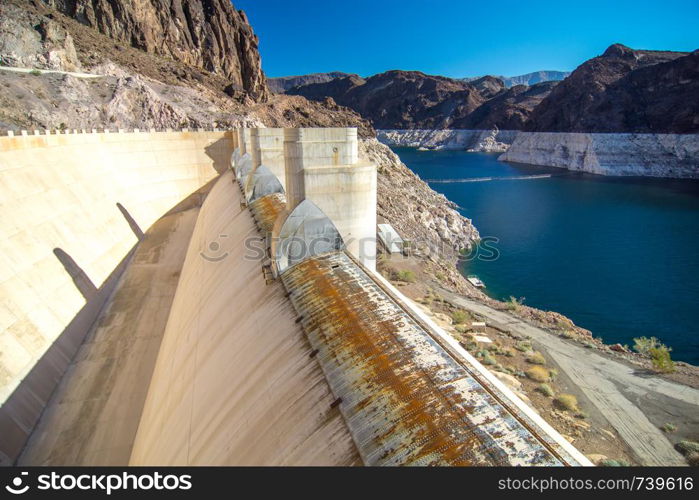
622,90
529,78
281,84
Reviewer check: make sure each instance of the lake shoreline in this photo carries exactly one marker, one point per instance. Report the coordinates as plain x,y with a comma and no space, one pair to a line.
674,156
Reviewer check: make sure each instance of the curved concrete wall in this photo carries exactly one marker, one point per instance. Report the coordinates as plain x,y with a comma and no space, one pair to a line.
72,206
236,382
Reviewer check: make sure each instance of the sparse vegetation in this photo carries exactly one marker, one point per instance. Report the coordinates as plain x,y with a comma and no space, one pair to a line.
668,427
660,357
513,303
488,360
523,346
406,276
614,463
546,390
460,316
35,72
538,374
643,345
567,402
536,358
687,447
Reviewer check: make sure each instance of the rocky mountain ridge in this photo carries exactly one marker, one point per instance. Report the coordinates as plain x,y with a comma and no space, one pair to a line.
528,78
622,90
401,99
625,90
281,84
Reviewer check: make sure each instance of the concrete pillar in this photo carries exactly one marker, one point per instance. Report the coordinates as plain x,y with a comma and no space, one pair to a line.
268,150
322,165
244,140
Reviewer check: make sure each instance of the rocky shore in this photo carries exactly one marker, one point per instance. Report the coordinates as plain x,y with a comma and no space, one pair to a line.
647,155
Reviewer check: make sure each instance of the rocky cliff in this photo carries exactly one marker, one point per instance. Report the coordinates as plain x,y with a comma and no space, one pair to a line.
508,109
208,34
650,155
625,90
442,139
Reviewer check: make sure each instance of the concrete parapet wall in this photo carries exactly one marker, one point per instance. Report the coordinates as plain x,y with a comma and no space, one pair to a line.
72,208
268,150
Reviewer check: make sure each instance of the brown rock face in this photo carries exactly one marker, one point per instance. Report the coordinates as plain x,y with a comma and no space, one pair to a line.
625,90
208,34
400,99
508,110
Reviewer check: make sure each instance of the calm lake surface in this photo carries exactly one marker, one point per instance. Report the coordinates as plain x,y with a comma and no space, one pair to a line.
619,256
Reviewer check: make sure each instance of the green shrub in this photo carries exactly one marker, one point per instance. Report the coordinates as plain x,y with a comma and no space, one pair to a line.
668,427
538,374
643,345
513,303
687,447
460,316
488,360
660,357
546,390
536,358
523,346
508,353
567,402
35,72
406,276
614,463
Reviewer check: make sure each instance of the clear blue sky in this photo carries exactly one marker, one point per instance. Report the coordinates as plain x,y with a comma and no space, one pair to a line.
460,38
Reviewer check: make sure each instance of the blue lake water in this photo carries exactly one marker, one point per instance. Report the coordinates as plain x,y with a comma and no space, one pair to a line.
619,256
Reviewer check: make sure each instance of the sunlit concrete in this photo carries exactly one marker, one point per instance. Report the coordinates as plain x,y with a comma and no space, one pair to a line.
73,207
322,165
235,381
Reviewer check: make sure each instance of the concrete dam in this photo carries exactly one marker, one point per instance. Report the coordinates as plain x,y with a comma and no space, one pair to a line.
210,298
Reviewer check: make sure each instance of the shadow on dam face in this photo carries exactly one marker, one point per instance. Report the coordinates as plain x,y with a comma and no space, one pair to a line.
131,221
82,281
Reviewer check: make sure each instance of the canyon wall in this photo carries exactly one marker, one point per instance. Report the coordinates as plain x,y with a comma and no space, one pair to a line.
208,34
441,139
649,155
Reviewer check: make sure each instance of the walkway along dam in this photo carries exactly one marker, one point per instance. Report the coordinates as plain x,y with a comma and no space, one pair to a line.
210,298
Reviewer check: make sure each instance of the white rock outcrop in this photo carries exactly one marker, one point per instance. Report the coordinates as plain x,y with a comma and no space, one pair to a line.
649,155
443,139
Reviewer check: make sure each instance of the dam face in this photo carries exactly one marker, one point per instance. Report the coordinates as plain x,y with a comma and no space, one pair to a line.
318,361
73,208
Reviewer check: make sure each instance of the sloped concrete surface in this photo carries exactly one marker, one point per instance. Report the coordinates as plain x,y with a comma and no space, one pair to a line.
235,382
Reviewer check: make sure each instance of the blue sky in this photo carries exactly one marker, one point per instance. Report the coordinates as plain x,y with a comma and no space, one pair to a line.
460,38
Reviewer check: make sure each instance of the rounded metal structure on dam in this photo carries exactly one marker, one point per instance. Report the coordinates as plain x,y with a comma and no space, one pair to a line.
261,182
303,233
243,167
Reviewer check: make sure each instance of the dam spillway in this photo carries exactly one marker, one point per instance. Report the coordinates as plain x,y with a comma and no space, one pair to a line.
295,370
